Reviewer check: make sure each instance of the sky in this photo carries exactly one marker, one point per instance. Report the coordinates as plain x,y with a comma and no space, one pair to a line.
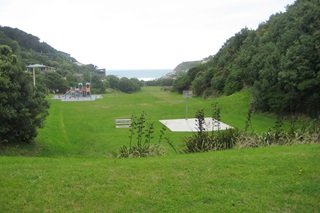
137,34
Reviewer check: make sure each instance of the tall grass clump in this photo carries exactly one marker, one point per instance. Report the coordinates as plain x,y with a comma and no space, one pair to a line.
308,133
204,140
276,136
141,140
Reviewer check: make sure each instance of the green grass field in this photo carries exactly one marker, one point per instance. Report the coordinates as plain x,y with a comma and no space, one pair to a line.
267,179
69,168
87,129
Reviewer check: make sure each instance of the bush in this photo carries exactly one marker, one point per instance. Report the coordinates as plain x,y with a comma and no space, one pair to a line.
23,108
205,141
141,137
276,136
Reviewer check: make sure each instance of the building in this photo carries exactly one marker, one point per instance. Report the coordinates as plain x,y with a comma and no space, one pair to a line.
101,72
39,67
78,75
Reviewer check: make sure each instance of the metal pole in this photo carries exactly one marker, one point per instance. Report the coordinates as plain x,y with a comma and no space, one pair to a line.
34,77
187,108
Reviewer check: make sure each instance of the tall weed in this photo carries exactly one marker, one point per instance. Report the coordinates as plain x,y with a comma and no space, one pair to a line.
204,140
140,140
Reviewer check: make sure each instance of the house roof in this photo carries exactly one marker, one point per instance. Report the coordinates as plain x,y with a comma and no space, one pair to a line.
36,66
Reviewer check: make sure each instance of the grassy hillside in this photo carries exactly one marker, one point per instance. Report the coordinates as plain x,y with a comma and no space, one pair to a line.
267,179
87,129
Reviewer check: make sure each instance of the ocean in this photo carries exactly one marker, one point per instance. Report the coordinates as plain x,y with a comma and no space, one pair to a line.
142,74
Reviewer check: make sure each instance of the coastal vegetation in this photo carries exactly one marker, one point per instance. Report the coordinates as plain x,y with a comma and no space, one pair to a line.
23,108
279,62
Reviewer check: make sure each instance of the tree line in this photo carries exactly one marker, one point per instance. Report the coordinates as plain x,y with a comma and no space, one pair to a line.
279,62
67,74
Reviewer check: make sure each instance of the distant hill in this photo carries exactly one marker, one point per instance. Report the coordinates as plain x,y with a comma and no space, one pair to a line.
29,48
185,66
182,68
26,41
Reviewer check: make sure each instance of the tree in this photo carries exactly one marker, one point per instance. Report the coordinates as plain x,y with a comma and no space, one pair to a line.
198,84
129,85
181,83
166,81
279,62
23,109
136,84
97,85
113,81
54,81
125,85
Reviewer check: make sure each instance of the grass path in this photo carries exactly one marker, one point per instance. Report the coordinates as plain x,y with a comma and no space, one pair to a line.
55,135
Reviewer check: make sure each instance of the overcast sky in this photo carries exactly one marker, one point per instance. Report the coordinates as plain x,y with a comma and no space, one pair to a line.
137,34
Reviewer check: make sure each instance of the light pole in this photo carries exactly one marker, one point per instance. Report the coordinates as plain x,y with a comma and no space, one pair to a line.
187,94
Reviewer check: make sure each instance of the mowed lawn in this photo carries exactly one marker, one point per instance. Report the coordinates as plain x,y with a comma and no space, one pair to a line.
266,179
69,168
87,129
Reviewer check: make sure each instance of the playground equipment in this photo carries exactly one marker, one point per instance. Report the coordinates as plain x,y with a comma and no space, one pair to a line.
79,92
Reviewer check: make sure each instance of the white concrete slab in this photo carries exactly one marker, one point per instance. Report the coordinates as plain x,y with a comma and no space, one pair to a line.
189,125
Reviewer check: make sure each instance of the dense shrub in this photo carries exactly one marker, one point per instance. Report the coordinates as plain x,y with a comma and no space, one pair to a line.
23,107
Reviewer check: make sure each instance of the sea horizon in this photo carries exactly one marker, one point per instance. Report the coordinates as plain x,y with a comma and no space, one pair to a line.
141,74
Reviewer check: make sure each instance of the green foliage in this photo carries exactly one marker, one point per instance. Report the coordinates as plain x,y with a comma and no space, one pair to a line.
279,61
277,136
23,108
181,83
124,84
165,82
32,51
204,141
98,86
141,137
113,81
199,84
54,81
129,85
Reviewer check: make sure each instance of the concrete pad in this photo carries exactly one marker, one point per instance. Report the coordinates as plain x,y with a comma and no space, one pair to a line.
189,125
